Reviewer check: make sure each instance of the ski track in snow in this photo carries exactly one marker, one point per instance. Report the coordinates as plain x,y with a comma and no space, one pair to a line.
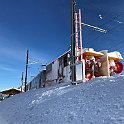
99,101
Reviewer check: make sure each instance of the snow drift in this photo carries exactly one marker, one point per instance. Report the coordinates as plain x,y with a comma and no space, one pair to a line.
99,101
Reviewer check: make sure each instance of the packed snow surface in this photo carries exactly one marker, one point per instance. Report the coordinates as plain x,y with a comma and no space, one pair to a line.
99,101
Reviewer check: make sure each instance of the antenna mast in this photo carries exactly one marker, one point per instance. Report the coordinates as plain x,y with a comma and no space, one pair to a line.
73,69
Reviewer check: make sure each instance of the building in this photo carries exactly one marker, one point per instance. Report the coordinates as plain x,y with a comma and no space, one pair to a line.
9,92
93,64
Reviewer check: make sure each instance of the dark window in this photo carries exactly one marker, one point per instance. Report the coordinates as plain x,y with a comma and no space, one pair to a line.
65,61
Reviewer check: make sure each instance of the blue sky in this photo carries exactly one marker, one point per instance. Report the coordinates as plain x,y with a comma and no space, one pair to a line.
43,27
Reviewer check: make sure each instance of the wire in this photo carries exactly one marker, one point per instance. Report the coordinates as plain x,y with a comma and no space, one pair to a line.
114,19
109,24
120,47
110,20
90,3
115,45
103,34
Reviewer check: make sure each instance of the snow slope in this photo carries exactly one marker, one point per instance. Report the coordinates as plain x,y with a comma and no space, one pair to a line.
99,101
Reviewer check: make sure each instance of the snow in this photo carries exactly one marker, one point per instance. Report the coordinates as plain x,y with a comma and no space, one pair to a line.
99,101
115,54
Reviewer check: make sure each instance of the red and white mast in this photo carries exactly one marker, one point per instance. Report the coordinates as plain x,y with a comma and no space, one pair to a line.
80,28
76,35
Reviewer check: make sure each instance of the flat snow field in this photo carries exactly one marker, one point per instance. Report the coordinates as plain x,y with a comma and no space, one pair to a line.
99,101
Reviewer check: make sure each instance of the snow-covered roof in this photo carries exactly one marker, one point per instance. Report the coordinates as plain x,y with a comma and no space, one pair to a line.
115,55
91,52
11,91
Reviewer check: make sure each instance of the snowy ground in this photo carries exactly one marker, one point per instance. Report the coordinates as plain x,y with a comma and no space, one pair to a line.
99,101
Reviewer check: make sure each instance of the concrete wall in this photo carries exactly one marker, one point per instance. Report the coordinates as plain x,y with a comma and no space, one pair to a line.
104,69
52,75
67,74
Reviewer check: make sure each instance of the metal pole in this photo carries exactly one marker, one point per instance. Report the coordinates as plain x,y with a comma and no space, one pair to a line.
73,40
22,81
26,71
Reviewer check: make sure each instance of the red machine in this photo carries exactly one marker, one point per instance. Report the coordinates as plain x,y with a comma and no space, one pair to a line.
118,67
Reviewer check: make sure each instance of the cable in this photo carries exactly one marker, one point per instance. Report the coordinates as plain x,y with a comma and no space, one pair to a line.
110,21
103,34
115,45
90,3
114,19
107,23
102,24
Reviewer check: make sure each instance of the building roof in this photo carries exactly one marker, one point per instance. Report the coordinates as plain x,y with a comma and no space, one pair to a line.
11,91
